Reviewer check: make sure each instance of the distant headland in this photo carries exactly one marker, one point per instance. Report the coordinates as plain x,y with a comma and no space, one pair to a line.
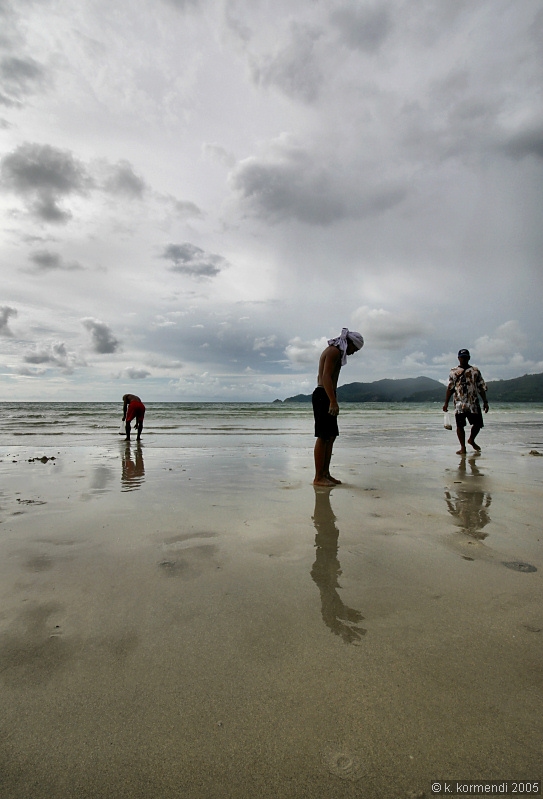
528,388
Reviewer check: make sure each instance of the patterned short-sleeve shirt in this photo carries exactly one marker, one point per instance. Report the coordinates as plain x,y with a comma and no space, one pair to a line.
467,384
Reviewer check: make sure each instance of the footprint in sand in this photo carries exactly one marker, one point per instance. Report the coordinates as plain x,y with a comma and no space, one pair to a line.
518,566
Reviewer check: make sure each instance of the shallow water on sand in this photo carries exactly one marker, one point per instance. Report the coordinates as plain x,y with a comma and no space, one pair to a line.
210,424
190,616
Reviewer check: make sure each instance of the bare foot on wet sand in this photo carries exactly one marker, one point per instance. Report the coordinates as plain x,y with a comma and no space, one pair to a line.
461,452
475,446
325,482
333,479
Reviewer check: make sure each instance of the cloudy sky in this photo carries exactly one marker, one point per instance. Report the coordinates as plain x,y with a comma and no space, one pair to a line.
196,194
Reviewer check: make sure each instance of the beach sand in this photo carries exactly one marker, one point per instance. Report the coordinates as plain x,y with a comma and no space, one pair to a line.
205,623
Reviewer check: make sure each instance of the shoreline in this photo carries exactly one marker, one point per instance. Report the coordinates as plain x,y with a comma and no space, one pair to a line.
207,623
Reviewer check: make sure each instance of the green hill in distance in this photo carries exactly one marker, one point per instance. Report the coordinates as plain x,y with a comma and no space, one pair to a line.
528,388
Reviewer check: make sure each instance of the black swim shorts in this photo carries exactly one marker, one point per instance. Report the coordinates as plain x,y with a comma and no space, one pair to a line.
325,424
473,417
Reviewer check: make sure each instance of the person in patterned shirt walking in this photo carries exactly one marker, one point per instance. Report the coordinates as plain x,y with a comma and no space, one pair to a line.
466,383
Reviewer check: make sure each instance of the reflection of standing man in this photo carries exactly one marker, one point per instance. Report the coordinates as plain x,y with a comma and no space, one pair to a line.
325,407
133,408
326,570
466,383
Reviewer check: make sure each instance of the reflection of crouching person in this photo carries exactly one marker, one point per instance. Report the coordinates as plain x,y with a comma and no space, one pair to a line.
133,408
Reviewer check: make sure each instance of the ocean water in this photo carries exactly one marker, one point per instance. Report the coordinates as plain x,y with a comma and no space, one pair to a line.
267,425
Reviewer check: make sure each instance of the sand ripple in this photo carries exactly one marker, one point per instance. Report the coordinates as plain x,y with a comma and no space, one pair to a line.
343,764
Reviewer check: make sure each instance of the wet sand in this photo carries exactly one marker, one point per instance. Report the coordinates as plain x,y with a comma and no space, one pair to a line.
206,623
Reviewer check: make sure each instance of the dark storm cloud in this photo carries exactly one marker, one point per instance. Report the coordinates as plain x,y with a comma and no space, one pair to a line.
193,261
282,190
42,176
363,28
40,167
19,77
103,340
295,68
186,209
5,100
390,331
185,5
122,180
237,26
292,184
529,142
5,312
136,374
45,261
54,354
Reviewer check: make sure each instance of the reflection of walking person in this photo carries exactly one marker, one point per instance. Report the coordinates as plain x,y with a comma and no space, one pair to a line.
470,508
133,408
326,571
470,505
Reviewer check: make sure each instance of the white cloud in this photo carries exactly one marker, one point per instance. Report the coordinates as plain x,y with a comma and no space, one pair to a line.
301,353
445,359
501,355
53,354
415,361
265,342
293,67
215,152
507,341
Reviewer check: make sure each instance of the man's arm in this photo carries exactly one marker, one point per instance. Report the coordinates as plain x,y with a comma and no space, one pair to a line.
447,398
330,369
481,388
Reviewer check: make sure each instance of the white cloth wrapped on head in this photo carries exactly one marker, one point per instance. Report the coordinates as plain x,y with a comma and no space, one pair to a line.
342,340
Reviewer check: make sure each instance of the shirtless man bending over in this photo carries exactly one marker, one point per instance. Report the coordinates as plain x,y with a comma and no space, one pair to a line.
325,407
133,408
